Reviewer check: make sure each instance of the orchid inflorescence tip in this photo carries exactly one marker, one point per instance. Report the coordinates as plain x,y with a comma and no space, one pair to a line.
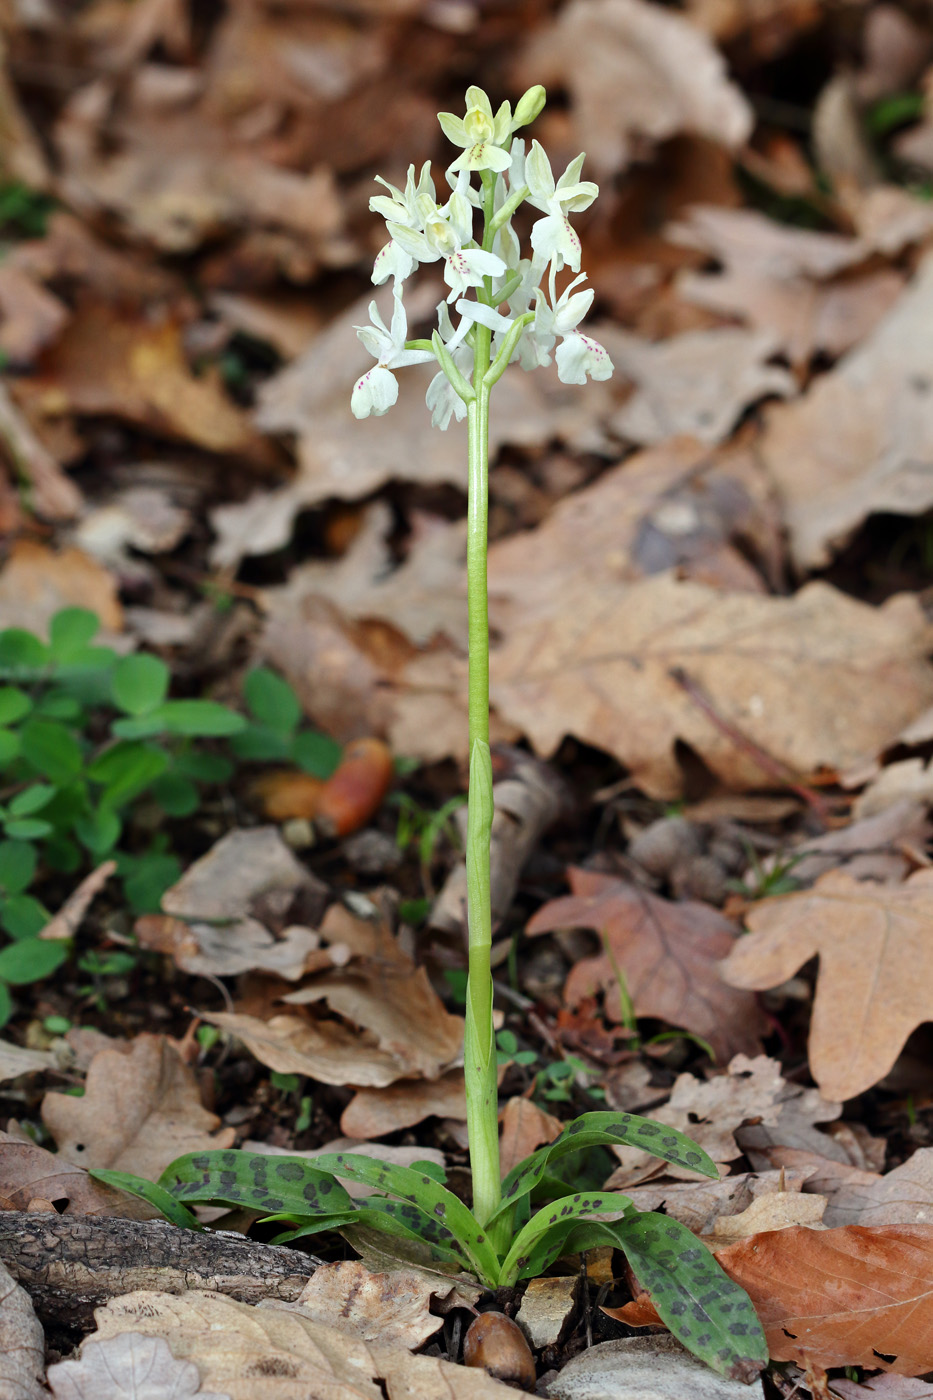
483,276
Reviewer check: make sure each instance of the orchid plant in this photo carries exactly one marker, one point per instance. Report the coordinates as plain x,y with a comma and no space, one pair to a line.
507,308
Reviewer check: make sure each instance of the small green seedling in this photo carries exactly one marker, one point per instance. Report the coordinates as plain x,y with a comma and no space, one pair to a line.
86,736
539,1218
554,1080
778,879
274,732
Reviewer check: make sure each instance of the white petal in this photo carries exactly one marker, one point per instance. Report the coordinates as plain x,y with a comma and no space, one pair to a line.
410,357
453,129
575,198
485,315
392,261
570,313
374,394
443,400
399,332
476,97
578,356
554,239
538,175
413,243
377,341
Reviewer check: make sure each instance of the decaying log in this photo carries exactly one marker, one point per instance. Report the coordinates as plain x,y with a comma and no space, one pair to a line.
71,1264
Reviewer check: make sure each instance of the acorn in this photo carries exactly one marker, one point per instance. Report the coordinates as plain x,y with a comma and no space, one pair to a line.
498,1344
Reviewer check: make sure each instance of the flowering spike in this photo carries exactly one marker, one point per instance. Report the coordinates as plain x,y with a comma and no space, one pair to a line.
497,293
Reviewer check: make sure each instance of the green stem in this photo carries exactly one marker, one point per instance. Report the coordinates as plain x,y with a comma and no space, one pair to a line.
482,1093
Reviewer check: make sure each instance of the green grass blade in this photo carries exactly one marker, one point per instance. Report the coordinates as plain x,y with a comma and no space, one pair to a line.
555,1217
421,1191
266,1183
150,1191
694,1297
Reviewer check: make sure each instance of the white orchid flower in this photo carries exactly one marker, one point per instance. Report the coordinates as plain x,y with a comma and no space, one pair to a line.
552,237
377,390
447,234
482,135
578,355
401,206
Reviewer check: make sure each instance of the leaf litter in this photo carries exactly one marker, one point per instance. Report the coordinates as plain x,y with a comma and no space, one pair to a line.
184,256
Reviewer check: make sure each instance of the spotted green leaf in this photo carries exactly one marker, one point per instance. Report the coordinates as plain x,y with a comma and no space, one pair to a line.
694,1297
573,1237
417,1189
556,1219
382,1253
400,1219
604,1130
256,1180
150,1191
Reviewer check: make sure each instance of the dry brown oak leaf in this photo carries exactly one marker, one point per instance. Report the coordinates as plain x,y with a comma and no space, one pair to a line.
601,664
128,1367
141,1109
265,1353
670,956
394,1025
875,982
31,1178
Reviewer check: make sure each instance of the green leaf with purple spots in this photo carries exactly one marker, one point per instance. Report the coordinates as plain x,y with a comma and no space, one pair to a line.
400,1219
420,1190
604,1130
572,1238
257,1180
150,1191
558,1218
695,1298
